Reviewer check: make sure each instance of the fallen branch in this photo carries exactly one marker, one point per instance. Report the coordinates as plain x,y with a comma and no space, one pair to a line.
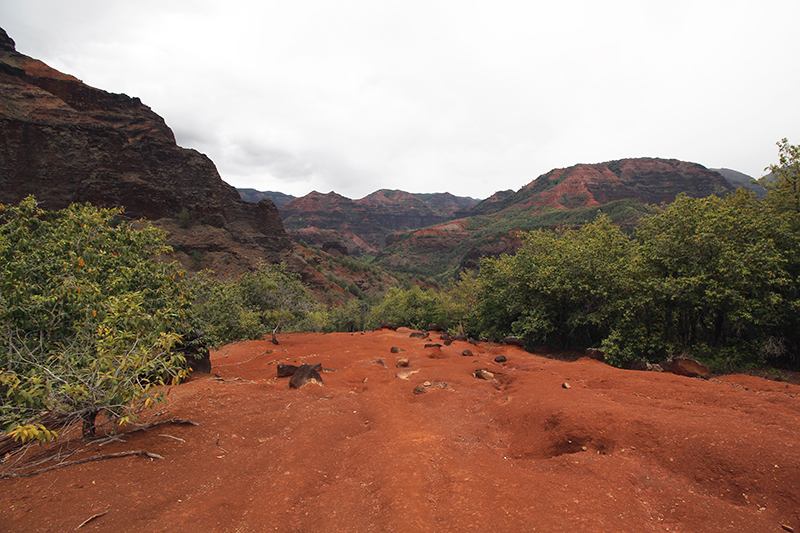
98,515
85,460
116,437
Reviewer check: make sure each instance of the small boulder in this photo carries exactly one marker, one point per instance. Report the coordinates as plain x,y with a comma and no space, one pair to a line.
483,374
566,385
435,327
514,341
687,367
419,335
388,325
500,359
596,354
405,374
402,363
636,364
286,371
304,375
467,353
395,349
433,345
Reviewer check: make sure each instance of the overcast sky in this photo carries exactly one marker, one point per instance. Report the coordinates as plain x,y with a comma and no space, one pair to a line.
430,96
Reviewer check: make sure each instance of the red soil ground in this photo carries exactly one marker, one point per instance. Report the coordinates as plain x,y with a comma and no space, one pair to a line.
617,451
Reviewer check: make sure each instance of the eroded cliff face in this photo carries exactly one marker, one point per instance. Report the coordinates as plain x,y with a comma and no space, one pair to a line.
364,224
66,142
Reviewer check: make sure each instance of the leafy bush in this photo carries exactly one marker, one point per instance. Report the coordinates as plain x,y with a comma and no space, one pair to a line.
412,307
559,288
256,303
89,320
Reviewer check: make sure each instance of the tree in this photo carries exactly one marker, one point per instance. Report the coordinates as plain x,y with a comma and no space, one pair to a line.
783,207
414,308
255,304
89,320
707,282
559,288
783,187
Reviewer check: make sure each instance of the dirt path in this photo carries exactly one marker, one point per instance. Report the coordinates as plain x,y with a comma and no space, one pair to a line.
617,451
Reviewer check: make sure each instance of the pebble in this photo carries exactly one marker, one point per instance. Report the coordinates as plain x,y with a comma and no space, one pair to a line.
566,385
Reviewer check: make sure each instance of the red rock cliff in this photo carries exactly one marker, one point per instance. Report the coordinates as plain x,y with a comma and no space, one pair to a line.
65,142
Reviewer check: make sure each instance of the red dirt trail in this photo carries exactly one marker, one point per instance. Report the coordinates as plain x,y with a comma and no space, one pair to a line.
618,451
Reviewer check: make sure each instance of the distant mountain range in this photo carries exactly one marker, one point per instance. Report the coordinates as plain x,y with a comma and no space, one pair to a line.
438,235
333,222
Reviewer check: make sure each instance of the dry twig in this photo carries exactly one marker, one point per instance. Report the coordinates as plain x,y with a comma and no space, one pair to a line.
84,460
98,515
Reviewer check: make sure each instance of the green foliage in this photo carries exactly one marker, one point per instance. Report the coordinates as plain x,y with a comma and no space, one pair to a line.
559,288
412,307
183,218
707,276
351,317
249,307
715,279
783,189
89,320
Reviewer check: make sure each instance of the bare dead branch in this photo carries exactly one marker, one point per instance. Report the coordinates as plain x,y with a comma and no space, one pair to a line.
84,460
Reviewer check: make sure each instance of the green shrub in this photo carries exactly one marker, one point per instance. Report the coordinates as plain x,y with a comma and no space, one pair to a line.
90,322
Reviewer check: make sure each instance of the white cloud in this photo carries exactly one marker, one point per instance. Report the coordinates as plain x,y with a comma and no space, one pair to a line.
469,97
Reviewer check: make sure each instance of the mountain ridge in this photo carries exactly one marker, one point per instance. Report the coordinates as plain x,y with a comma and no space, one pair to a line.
570,196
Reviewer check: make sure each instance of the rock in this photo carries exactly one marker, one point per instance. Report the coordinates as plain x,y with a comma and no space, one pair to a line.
286,371
380,362
462,338
304,375
405,374
419,335
467,353
596,354
500,359
395,349
514,341
566,385
388,325
435,327
402,363
637,364
433,345
483,374
445,337
687,367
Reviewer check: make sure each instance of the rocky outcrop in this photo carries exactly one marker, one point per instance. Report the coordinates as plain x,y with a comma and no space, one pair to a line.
66,142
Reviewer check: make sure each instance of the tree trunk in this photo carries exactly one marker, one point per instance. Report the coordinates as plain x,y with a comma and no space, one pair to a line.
89,424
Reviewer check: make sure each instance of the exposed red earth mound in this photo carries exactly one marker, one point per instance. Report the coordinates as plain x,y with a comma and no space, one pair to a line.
616,451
